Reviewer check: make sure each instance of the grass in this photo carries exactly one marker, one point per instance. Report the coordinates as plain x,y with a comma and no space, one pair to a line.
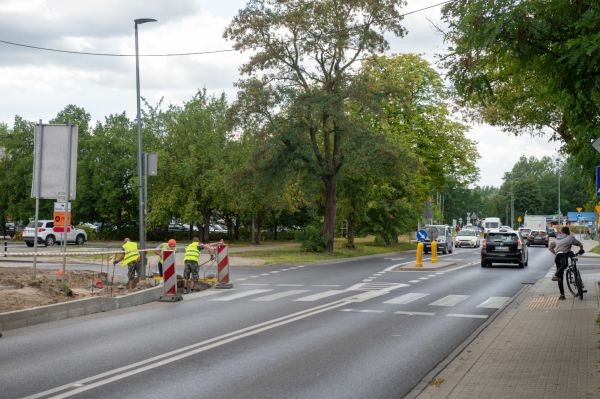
596,249
295,255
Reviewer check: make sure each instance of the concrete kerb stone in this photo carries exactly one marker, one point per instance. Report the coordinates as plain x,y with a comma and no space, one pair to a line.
80,307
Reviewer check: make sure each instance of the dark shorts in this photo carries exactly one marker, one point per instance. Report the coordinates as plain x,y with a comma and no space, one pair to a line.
132,269
191,268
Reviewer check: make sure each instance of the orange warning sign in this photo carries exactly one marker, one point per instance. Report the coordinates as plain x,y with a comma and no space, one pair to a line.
59,218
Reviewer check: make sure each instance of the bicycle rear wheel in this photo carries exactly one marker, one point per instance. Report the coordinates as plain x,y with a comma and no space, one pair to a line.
572,281
579,283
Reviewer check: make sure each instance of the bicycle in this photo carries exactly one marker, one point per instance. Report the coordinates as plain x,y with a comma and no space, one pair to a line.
573,277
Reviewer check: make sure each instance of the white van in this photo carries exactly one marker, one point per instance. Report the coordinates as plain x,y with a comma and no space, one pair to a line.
491,223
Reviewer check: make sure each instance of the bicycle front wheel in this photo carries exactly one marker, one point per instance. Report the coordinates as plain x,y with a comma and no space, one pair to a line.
571,278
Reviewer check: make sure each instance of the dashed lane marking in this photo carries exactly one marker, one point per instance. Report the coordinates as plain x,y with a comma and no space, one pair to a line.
406,298
318,296
494,302
241,295
362,310
407,313
468,316
376,286
449,300
279,295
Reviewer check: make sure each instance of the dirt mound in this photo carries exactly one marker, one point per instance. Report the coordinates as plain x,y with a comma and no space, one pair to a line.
18,289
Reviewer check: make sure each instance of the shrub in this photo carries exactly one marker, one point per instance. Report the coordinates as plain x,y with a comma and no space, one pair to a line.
311,239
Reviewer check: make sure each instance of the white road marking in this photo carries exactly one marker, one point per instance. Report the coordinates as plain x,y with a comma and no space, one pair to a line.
275,272
367,280
318,296
361,310
494,302
255,284
468,316
450,300
290,285
279,295
378,285
241,279
423,278
241,295
264,274
431,275
406,298
64,391
414,281
414,313
326,285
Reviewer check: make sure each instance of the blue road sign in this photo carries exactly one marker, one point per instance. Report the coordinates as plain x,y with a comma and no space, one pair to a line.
421,235
597,181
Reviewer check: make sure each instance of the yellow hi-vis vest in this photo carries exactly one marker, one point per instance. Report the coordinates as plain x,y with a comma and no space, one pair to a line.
131,256
192,252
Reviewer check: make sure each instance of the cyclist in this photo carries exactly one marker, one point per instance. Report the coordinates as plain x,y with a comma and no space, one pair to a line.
561,248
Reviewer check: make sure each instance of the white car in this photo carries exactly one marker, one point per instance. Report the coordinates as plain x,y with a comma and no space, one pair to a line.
49,235
467,238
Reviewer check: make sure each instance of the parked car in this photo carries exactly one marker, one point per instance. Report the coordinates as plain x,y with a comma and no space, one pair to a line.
48,235
442,234
503,246
524,232
217,228
467,238
10,229
177,227
538,237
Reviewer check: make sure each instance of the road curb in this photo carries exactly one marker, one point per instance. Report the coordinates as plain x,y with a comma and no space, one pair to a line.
79,307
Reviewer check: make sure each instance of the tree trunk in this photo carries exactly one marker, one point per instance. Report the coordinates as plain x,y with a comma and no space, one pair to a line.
330,209
206,237
260,219
351,231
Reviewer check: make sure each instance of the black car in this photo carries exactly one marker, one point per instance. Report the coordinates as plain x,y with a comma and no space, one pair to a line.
538,237
503,246
551,232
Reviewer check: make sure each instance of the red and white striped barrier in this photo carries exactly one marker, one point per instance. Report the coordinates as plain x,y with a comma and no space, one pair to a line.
170,278
223,267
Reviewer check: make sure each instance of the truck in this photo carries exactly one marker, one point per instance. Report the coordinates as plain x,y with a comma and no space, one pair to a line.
535,222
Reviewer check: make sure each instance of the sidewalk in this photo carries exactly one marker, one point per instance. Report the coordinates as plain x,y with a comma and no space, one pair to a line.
539,347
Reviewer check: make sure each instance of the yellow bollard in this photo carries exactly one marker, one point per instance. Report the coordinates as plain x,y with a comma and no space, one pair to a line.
419,260
433,251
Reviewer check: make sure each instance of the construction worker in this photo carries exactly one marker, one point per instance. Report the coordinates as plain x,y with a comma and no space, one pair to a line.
165,246
131,258
191,261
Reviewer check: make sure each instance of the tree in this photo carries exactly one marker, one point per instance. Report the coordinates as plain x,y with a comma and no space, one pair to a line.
530,67
303,66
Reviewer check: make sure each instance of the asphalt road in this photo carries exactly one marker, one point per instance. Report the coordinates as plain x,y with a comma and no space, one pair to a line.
352,329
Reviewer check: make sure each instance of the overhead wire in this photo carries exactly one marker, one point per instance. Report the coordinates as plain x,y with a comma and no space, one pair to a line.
170,54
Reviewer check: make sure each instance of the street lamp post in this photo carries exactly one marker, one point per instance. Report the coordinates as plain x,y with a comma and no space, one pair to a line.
141,199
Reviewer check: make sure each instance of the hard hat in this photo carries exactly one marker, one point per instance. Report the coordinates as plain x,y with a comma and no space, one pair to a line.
172,243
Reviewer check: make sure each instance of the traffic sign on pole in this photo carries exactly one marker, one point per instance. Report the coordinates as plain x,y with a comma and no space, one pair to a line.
421,235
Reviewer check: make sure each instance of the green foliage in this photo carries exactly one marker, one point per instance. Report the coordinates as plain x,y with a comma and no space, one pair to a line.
311,238
530,67
305,54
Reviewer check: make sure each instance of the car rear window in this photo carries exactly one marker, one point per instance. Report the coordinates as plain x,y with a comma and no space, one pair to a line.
32,224
502,238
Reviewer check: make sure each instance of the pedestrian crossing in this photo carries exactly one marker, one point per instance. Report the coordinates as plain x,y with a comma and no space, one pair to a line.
389,298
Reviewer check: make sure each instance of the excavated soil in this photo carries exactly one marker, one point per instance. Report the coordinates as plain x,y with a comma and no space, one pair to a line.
19,290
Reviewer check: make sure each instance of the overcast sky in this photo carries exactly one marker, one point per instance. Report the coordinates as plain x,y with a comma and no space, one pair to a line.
38,84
